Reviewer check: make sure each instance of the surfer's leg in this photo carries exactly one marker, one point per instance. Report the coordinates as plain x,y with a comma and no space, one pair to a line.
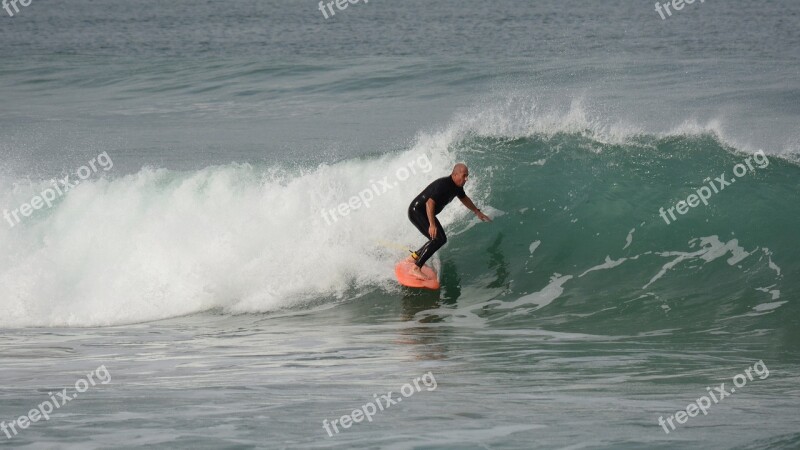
430,247
419,218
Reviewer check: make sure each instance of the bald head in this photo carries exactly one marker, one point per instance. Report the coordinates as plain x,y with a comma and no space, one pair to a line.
460,174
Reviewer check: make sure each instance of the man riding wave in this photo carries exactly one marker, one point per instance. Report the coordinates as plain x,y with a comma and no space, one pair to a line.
428,204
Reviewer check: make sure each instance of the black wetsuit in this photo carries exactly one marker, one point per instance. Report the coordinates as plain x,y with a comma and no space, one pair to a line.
442,191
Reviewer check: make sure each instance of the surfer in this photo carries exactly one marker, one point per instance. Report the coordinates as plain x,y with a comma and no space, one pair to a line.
430,202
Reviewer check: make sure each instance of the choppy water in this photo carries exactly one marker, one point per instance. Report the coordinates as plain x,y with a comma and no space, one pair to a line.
195,263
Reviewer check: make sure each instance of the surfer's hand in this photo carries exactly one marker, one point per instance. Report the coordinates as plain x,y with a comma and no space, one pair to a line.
483,217
432,231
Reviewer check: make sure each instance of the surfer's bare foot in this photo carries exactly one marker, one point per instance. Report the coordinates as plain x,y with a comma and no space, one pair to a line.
417,273
411,259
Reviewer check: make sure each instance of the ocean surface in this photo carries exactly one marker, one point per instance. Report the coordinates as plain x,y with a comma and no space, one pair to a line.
203,203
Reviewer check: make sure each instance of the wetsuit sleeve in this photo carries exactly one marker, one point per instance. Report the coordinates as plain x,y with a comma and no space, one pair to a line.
460,193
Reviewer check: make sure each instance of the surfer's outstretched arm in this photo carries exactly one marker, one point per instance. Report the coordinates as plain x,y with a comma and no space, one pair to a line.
471,206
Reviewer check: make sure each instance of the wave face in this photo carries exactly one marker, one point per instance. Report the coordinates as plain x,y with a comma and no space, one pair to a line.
577,237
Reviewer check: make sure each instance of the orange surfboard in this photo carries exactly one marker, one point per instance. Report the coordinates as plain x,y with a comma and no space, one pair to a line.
401,271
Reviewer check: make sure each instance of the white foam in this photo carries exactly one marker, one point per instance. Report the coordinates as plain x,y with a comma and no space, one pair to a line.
767,306
161,244
607,264
513,114
542,298
629,239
